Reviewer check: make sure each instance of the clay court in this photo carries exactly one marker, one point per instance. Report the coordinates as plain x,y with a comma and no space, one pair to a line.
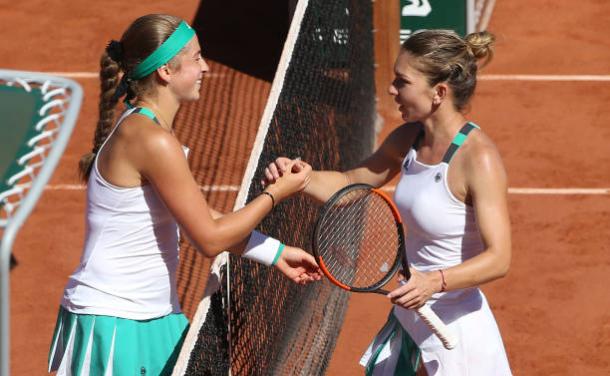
544,100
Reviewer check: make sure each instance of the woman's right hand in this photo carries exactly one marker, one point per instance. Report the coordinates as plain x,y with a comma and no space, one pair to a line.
298,265
276,169
416,290
321,184
286,177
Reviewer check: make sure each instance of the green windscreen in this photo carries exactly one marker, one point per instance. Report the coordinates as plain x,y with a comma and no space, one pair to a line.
19,116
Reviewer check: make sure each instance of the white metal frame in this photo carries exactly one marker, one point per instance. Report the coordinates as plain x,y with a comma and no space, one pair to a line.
63,99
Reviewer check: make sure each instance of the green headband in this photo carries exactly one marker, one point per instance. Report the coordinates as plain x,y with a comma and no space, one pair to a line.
167,50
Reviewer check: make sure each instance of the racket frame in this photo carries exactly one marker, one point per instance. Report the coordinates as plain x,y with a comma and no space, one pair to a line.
398,261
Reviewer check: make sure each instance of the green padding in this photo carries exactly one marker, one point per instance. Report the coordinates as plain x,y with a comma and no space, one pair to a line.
19,116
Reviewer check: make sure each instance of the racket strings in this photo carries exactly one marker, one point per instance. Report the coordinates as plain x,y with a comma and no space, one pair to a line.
344,234
358,239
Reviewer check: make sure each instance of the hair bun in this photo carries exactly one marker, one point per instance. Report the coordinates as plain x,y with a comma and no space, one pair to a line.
481,46
114,49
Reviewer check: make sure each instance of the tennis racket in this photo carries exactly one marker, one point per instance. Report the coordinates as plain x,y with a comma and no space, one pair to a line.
358,243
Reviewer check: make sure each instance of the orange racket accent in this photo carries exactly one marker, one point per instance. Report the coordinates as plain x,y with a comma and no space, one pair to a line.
390,202
330,276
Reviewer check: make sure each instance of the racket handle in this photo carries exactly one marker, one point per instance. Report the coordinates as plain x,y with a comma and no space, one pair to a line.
437,326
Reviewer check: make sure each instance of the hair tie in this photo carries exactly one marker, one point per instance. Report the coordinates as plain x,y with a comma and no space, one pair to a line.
121,89
114,49
130,95
456,71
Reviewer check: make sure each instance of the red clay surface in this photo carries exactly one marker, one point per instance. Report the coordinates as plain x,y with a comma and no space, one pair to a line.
553,308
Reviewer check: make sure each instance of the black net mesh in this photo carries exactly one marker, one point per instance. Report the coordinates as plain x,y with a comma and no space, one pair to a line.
325,115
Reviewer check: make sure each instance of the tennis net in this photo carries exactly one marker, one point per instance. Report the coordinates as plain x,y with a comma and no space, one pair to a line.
253,321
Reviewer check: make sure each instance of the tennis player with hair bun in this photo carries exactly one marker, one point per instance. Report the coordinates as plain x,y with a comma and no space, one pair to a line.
452,198
120,313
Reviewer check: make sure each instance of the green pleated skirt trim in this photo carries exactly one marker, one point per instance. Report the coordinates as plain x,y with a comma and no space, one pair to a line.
392,352
91,345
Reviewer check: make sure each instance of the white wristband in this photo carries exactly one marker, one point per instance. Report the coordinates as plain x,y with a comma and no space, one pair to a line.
261,248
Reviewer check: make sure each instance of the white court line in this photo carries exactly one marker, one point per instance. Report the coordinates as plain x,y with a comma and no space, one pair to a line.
544,191
559,191
205,188
390,188
97,74
75,74
483,77
545,77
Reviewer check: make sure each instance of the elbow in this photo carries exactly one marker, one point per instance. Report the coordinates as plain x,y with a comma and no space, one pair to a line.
503,271
503,266
207,247
211,240
210,249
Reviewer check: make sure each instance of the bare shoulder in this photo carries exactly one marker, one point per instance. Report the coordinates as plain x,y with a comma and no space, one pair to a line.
148,143
482,159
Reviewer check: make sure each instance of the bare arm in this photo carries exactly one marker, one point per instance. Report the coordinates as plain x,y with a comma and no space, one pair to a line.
376,170
238,248
163,164
295,263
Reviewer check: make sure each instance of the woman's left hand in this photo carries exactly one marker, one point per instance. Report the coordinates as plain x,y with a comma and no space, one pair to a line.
416,291
298,265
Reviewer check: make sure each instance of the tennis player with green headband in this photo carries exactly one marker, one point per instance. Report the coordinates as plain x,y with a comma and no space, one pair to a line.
120,314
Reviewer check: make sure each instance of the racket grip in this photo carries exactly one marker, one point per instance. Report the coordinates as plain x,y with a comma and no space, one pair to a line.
437,326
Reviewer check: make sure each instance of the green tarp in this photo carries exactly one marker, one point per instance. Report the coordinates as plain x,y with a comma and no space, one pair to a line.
18,109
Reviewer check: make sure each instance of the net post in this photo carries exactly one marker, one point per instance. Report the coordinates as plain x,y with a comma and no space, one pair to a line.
484,11
386,23
471,19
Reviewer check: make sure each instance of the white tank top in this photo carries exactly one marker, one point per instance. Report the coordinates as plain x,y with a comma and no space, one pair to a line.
441,230
130,256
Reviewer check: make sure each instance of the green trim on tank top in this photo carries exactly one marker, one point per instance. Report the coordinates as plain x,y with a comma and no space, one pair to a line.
148,113
458,141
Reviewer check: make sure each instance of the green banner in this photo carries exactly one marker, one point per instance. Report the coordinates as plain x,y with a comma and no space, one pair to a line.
433,14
